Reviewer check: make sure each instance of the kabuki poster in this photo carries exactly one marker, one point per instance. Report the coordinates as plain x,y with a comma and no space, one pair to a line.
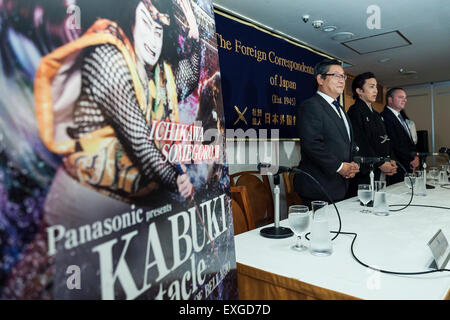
113,178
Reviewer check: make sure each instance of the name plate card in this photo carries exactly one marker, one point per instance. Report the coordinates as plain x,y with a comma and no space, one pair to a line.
440,250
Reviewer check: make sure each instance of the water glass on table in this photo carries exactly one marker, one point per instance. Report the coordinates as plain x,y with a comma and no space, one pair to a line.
320,244
365,195
380,205
443,177
299,220
419,187
433,173
410,181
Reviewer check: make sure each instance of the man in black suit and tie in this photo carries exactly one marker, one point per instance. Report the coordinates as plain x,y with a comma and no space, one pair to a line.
399,133
326,138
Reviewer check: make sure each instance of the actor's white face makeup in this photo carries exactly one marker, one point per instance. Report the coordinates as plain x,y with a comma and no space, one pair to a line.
148,36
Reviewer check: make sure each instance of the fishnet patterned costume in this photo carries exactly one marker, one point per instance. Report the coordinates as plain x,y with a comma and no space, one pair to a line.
108,98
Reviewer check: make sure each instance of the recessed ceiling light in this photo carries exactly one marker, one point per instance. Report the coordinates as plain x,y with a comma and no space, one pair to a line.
329,28
317,24
342,36
384,60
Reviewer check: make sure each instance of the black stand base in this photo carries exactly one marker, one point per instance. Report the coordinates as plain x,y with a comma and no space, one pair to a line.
276,233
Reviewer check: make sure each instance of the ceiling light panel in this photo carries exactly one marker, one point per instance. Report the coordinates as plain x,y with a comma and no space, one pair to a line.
384,41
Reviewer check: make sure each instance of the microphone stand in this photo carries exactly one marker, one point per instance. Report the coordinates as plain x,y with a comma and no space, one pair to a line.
372,183
423,159
276,232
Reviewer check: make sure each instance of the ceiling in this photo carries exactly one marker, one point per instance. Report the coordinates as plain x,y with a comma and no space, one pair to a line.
424,24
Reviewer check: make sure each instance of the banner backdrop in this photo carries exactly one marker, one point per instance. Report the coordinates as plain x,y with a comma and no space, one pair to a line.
112,182
264,78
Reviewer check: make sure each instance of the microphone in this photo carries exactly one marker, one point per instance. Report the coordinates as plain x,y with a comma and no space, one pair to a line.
424,154
370,160
268,166
444,150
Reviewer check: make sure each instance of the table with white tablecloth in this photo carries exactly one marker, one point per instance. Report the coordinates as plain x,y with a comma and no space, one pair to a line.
271,269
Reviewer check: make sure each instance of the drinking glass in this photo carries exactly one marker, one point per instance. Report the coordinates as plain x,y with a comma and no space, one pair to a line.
320,244
443,178
419,186
299,220
365,195
433,172
410,180
380,205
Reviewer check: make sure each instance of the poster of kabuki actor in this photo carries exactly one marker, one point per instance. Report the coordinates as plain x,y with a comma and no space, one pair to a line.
113,179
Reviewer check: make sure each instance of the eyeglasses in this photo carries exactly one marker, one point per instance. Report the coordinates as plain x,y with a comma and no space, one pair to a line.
337,75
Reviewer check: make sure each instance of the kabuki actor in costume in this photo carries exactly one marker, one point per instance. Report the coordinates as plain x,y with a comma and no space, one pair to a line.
130,198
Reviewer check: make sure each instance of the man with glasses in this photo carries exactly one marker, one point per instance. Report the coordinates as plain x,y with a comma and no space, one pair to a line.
399,133
326,138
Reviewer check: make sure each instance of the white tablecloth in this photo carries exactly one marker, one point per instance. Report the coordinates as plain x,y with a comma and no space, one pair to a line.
397,242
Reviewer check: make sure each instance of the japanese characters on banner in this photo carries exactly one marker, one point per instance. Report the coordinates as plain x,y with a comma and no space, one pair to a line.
113,182
264,77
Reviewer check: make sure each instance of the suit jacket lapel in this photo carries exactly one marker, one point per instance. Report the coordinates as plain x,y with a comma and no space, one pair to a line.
398,124
338,120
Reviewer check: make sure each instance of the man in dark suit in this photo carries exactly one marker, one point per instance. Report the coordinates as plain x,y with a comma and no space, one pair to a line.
370,133
397,129
326,138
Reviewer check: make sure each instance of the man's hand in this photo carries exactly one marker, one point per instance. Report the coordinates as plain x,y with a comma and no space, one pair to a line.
388,168
394,164
415,163
349,169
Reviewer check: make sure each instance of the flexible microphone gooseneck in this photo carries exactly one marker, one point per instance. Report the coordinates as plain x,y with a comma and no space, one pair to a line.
412,188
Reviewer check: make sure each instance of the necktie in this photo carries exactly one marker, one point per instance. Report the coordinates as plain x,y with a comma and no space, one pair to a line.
402,120
338,107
